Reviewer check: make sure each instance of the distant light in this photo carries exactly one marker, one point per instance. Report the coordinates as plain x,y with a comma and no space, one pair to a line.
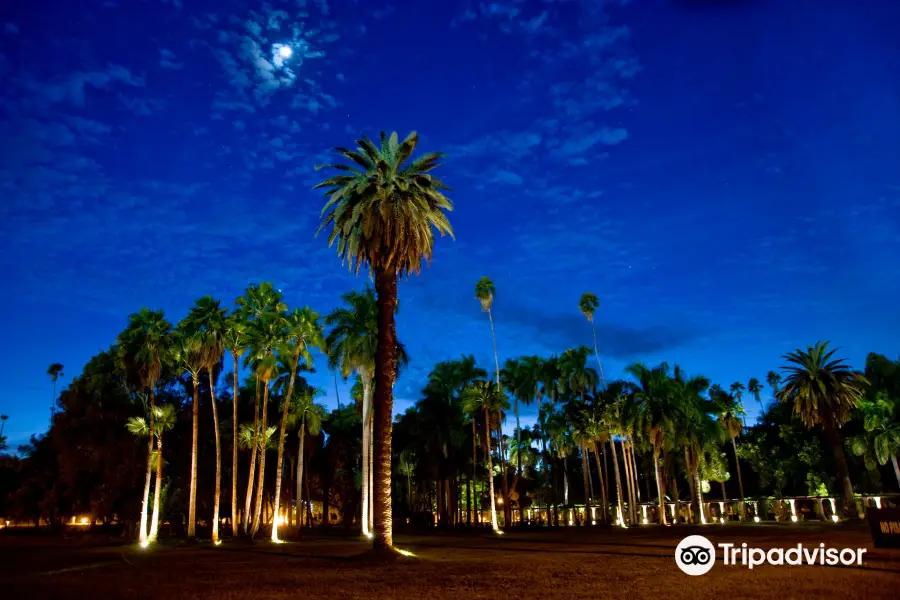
404,552
145,544
834,518
369,535
756,519
794,518
593,522
722,520
499,532
285,52
218,542
277,541
84,520
645,521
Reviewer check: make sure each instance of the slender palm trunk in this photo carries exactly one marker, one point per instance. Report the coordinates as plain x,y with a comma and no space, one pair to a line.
474,464
385,373
501,448
195,437
585,467
896,468
302,435
604,508
154,521
248,499
635,485
490,476
699,485
615,456
371,465
145,504
659,487
218,488
840,462
279,472
261,475
597,354
366,450
234,451
566,480
692,487
737,465
629,486
499,427
518,455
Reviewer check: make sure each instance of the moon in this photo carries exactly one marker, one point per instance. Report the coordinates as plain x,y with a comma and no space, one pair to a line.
285,52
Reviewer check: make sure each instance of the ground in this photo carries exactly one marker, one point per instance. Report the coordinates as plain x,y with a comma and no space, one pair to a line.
568,563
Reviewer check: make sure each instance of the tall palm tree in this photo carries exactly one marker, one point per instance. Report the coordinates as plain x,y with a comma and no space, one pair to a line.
302,332
588,306
206,321
141,348
309,415
731,415
657,417
236,339
880,441
268,335
823,391
773,379
162,419
522,379
260,307
352,345
55,371
3,419
188,354
485,397
754,387
382,209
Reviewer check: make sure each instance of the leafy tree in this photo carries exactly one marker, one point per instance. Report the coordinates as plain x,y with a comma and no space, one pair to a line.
382,209
880,441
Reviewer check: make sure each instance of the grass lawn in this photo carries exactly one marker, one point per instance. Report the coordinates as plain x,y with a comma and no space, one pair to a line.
568,563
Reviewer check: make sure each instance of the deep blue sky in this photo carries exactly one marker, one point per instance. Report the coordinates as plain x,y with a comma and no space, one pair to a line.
724,175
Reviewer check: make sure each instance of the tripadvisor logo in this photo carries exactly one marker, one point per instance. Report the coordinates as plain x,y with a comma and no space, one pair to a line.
695,555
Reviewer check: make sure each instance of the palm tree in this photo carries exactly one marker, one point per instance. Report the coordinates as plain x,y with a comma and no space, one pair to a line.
140,349
381,208
880,442
188,353
657,413
268,335
731,415
309,416
823,391
236,339
754,388
773,379
486,397
302,332
352,345
206,320
588,306
162,419
522,379
55,371
260,307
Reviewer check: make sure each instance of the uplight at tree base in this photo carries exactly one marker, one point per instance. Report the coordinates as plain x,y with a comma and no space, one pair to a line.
404,552
756,519
835,518
145,544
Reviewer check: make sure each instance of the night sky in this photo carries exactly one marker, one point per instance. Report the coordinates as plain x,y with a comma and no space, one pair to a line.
724,175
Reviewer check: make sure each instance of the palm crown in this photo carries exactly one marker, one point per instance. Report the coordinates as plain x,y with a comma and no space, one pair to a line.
382,207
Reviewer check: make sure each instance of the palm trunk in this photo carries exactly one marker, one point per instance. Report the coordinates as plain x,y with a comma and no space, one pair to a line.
218,487
195,437
154,521
896,468
630,480
615,456
487,431
518,455
371,465
692,484
659,487
737,465
234,451
566,480
699,485
500,432
585,467
501,448
302,435
366,450
475,503
248,516
605,475
285,411
261,475
840,462
385,373
604,508
145,505
597,354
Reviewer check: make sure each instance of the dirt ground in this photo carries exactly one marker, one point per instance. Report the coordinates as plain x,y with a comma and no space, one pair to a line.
569,563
